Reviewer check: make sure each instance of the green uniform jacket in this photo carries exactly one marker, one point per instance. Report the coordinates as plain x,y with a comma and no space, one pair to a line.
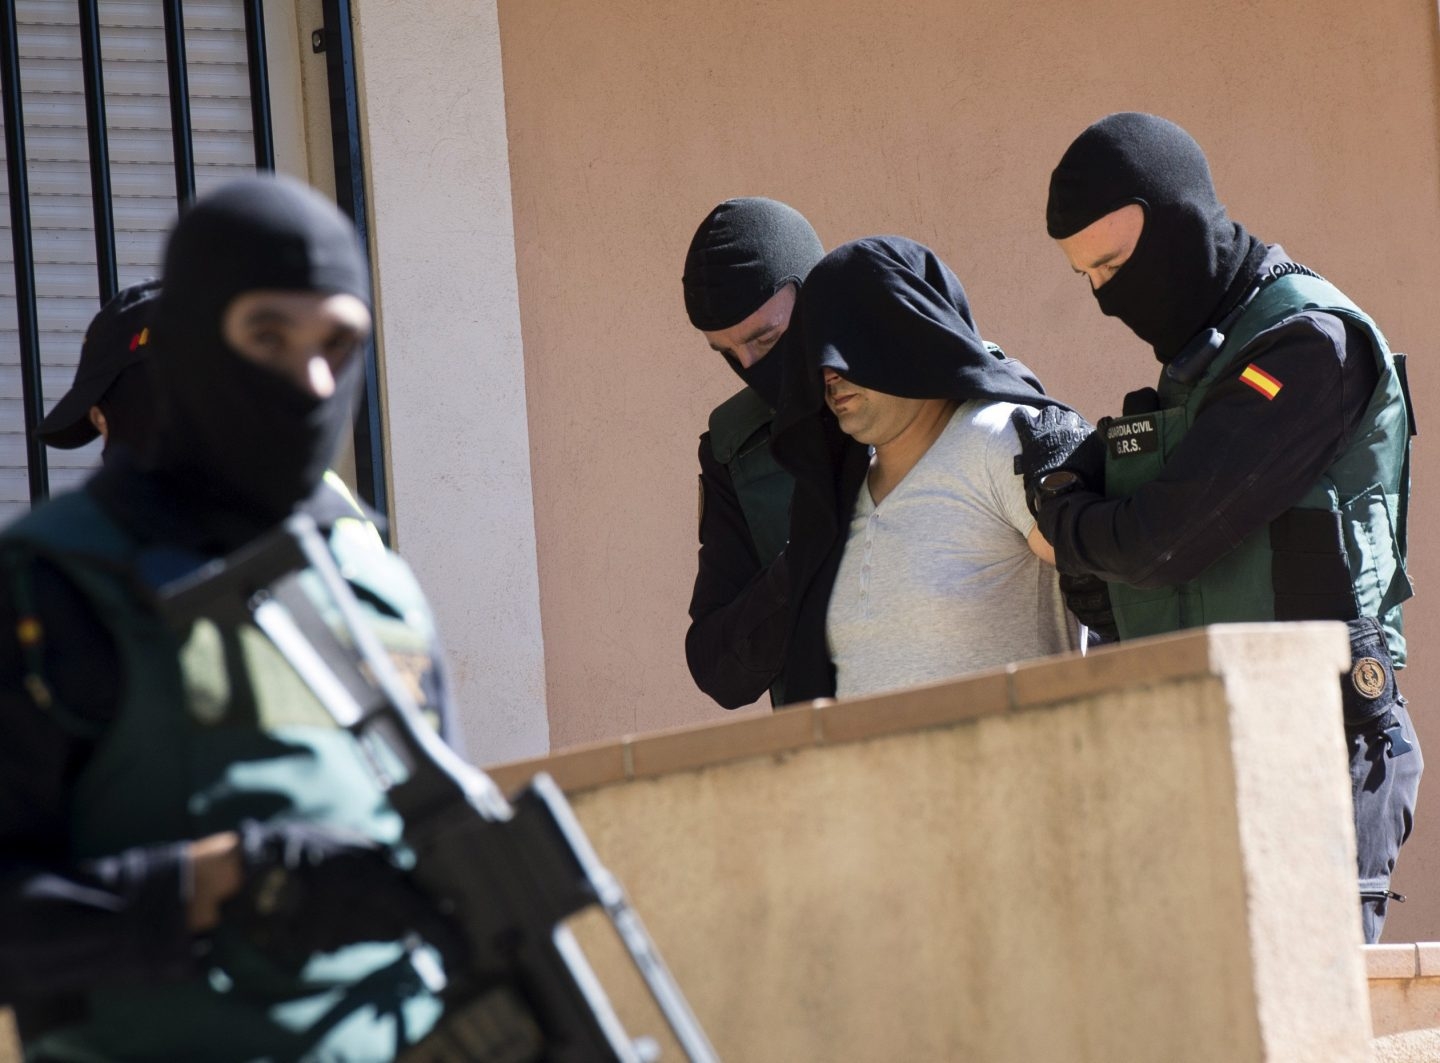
213,728
1339,554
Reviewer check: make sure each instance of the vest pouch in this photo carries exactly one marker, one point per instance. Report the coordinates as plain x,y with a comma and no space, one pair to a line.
1379,575
1136,449
763,489
740,441
1146,611
1310,571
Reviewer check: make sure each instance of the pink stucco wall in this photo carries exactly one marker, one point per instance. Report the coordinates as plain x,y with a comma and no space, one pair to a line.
938,120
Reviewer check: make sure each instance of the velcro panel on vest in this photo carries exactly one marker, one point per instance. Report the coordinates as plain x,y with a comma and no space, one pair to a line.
1309,572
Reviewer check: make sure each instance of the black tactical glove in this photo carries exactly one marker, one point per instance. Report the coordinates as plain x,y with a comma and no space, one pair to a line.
1088,597
1055,438
310,889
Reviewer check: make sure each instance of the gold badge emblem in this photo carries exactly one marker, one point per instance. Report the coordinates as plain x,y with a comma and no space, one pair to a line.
1368,675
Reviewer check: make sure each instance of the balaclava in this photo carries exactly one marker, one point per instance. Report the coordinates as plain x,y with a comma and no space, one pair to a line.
1191,262
744,252
245,442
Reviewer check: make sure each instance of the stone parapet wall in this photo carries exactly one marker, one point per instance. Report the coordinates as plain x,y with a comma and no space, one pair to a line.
1143,854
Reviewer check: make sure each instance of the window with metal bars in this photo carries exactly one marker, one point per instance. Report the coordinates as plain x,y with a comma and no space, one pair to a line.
116,112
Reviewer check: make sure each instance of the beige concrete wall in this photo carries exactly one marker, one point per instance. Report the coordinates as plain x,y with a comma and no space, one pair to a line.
941,121
449,333
1130,857
1404,989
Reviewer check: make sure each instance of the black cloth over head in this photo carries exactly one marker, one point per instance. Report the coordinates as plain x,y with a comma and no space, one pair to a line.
744,252
1191,263
243,444
885,313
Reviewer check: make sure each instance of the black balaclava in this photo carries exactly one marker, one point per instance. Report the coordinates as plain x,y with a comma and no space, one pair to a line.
1191,262
244,443
744,252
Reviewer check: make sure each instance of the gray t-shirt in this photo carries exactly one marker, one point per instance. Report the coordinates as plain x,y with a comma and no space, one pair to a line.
938,580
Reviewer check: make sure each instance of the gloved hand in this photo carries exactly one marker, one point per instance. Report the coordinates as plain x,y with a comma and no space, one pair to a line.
1055,438
310,889
1088,598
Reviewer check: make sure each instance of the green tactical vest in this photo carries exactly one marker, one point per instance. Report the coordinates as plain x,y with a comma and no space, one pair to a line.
213,729
1340,554
740,440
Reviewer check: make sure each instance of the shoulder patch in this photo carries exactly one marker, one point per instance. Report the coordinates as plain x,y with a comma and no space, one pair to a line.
1261,381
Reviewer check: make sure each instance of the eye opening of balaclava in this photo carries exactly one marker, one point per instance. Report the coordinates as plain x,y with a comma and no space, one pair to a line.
1190,262
241,436
742,254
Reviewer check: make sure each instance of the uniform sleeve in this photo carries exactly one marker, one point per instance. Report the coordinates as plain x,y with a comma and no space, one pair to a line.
736,643
67,925
1008,486
1247,459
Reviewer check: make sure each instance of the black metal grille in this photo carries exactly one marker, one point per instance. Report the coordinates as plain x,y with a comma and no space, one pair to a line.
26,323
339,44
349,184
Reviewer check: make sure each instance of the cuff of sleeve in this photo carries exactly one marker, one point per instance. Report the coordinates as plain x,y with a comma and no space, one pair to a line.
159,883
1054,516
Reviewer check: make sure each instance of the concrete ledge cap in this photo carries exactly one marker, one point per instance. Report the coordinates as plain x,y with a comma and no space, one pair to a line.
1196,653
1427,953
1420,959
1391,961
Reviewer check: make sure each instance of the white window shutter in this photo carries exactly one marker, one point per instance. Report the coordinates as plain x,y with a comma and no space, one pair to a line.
137,105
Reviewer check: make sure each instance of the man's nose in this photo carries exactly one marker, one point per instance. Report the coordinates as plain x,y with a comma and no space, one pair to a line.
317,379
831,376
746,356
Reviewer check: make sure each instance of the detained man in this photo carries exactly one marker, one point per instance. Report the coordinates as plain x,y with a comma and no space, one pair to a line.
914,554
745,265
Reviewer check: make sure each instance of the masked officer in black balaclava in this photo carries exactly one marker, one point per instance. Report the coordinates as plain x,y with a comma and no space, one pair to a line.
1267,476
111,395
745,265
193,859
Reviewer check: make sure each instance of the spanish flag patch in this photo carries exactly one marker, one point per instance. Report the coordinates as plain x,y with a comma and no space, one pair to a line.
1261,381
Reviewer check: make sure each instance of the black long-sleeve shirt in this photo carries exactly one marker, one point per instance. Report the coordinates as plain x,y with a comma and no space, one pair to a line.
736,643
1245,461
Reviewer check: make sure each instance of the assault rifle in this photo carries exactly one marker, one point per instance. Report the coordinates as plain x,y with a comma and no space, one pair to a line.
509,876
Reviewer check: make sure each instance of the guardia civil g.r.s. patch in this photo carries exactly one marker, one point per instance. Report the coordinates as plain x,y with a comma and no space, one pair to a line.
1127,436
